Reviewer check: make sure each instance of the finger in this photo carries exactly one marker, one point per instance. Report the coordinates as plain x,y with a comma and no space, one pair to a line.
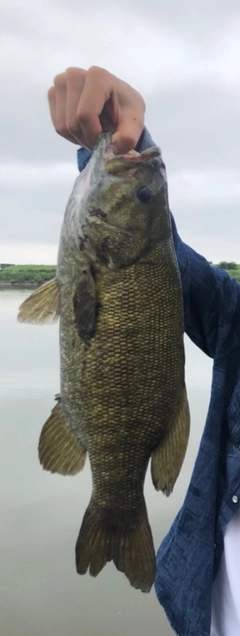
95,94
128,132
60,124
75,79
53,114
108,117
52,104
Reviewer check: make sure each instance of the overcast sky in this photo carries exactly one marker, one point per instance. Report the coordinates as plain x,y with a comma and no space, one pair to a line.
182,55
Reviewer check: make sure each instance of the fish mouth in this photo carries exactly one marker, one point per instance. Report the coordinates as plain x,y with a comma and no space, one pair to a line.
133,155
121,163
114,164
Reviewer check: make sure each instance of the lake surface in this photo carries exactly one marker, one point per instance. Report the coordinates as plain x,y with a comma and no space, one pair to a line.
40,592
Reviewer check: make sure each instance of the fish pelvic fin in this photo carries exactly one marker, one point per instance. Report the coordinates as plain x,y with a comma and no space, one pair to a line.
43,306
167,458
131,549
58,449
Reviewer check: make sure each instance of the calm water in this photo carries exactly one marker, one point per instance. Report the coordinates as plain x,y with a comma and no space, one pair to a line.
41,595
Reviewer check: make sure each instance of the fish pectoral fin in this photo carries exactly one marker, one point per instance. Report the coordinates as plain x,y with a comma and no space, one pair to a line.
131,549
84,306
168,457
58,449
43,306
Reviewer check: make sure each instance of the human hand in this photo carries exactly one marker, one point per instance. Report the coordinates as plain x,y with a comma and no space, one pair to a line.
85,103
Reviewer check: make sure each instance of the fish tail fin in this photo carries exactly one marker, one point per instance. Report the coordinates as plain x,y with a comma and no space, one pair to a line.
131,549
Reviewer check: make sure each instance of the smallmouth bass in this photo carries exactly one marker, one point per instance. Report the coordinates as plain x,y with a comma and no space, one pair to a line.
122,396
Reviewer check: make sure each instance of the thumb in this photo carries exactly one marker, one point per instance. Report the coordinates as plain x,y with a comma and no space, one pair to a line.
126,136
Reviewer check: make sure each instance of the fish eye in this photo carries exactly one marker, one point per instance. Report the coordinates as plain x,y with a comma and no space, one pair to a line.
144,194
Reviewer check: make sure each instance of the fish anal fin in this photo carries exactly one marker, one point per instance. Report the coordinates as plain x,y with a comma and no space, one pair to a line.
167,458
58,449
131,549
43,306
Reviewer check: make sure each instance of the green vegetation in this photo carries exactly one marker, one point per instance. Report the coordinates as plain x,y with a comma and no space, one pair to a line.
232,268
228,265
27,274
37,274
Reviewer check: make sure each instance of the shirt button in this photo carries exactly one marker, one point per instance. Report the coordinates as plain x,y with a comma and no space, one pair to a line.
235,499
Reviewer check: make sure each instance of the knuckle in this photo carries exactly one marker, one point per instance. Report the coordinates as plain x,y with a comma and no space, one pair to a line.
72,127
60,80
97,72
129,139
61,129
73,73
83,115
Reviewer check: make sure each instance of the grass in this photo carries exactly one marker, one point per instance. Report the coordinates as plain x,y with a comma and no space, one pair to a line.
38,274
23,274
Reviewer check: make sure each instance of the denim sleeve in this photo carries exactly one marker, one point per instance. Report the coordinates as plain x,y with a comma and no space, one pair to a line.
211,301
211,298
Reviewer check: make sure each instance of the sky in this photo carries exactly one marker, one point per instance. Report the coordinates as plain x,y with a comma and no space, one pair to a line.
184,58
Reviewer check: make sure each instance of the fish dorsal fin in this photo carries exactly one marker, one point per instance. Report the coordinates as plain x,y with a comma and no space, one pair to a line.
43,306
58,449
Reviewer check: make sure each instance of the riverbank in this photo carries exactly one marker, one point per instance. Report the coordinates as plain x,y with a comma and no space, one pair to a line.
26,276
21,285
32,276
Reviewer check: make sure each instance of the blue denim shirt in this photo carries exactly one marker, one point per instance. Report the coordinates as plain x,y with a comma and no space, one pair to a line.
189,556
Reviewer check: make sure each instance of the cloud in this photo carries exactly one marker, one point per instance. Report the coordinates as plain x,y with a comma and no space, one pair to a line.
208,205
34,198
35,176
183,57
28,253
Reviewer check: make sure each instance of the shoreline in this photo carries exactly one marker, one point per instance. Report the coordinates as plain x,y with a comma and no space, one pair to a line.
25,276
9,285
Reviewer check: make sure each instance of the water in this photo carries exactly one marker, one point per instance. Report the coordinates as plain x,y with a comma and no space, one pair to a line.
40,592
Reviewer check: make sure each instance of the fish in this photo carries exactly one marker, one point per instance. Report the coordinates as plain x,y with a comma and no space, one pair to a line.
123,399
